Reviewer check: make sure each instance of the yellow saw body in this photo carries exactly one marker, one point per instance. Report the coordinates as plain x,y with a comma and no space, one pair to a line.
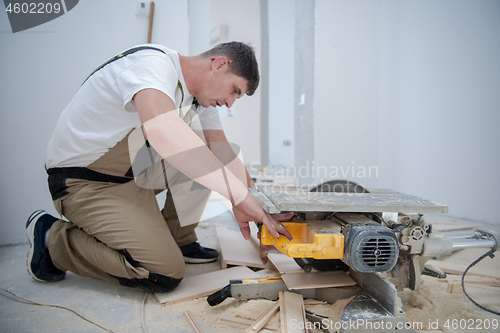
315,239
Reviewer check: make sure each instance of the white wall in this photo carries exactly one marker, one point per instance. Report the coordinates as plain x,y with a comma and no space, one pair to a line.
41,68
242,17
346,96
199,26
412,87
281,81
443,94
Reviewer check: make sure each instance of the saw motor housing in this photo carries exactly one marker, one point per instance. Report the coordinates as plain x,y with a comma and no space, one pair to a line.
370,247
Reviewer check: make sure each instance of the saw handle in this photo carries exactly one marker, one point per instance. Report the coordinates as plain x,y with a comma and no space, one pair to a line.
219,296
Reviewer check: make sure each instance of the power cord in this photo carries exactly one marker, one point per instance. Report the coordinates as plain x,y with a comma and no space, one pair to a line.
27,301
487,254
143,319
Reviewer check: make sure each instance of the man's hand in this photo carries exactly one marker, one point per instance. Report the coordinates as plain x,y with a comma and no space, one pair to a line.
250,210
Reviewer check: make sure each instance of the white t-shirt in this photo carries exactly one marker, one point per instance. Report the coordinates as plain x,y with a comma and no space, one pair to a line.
102,111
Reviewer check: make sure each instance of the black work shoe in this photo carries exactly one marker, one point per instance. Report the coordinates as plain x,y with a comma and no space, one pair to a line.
39,263
194,253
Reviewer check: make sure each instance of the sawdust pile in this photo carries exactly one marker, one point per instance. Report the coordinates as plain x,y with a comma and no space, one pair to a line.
433,308
333,311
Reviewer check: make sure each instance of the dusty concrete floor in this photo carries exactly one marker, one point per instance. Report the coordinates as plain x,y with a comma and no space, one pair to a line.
118,308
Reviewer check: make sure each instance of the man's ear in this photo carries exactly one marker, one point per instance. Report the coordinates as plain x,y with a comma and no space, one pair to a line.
219,62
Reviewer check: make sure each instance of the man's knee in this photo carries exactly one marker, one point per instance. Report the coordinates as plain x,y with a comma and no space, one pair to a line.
163,283
164,275
167,264
155,283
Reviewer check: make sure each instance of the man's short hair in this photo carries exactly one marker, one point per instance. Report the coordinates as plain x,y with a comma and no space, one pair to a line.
243,62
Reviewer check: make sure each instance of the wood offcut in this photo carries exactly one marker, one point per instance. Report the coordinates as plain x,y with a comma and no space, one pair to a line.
192,322
292,313
263,319
204,284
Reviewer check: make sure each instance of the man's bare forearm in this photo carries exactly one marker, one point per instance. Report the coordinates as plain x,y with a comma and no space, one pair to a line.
217,142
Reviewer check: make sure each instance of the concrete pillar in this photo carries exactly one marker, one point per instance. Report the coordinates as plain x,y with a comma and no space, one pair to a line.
304,92
264,83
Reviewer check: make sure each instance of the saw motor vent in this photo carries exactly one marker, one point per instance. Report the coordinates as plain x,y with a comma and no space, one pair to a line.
370,247
378,252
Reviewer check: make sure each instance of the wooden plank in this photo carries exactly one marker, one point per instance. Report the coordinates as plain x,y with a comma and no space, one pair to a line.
236,322
204,284
235,325
241,323
455,282
283,263
268,272
458,268
292,313
317,280
192,322
263,319
253,233
235,250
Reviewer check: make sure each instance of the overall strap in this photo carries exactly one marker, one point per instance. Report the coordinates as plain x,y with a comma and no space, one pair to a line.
131,51
123,54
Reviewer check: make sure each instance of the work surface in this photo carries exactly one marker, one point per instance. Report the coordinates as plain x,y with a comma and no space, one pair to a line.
292,199
119,308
